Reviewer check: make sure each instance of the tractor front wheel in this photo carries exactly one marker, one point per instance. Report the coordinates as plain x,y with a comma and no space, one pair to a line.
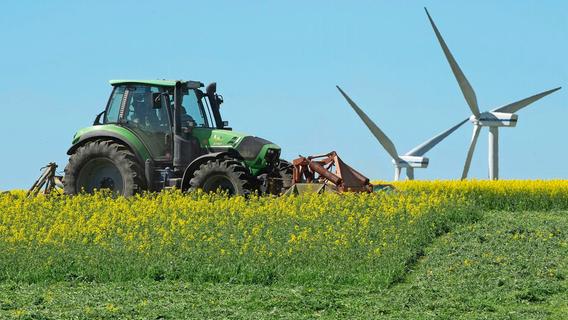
222,175
103,165
281,179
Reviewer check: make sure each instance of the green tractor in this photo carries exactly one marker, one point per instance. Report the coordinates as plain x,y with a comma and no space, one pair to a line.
157,134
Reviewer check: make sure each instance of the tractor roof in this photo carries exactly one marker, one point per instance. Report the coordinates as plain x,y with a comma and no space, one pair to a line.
161,83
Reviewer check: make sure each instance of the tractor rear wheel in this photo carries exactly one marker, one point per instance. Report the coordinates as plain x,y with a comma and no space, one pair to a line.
226,175
103,165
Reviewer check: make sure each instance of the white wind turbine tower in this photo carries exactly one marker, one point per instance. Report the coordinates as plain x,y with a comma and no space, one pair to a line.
410,160
499,117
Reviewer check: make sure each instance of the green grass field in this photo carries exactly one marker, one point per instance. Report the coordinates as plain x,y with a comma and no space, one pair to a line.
503,265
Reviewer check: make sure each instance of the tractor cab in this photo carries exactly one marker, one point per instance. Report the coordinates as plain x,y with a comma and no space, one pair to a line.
149,109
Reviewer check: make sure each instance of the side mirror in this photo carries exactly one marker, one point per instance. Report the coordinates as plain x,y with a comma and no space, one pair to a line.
211,93
98,119
219,99
157,98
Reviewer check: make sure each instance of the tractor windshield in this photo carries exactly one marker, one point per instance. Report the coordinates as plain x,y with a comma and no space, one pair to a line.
196,109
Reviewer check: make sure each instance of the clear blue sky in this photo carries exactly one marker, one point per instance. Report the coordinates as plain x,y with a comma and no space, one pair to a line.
277,64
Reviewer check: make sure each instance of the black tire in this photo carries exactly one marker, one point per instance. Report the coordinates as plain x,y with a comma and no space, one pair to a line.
282,178
228,175
286,170
103,164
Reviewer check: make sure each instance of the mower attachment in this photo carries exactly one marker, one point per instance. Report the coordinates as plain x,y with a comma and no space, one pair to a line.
49,179
328,173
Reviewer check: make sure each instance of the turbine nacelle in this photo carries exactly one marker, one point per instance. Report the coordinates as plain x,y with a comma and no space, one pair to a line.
411,162
495,119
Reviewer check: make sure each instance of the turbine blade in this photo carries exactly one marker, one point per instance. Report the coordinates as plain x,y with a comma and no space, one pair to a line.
476,130
421,149
380,135
516,106
465,87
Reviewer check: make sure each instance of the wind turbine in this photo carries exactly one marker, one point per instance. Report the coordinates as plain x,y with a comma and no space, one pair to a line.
499,117
410,160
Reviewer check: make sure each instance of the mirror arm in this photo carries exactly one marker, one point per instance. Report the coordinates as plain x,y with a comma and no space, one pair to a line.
98,119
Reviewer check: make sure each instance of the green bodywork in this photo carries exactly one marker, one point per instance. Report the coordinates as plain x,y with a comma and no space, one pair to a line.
208,139
126,135
217,138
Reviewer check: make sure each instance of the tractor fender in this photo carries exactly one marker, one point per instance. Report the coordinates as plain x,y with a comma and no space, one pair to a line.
194,165
108,135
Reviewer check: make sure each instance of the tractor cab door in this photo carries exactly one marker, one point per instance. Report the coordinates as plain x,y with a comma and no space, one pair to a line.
188,114
149,121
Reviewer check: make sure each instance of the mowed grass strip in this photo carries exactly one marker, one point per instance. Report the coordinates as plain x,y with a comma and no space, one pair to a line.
507,265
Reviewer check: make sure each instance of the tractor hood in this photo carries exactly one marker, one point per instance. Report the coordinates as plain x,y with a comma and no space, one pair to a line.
252,149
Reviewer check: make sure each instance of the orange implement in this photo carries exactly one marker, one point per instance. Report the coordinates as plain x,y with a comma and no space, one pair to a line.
329,169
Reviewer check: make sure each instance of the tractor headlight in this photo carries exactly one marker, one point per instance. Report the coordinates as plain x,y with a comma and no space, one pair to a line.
272,155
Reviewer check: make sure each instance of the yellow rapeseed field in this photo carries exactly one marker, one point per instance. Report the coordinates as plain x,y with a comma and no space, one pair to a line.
499,195
261,225
210,237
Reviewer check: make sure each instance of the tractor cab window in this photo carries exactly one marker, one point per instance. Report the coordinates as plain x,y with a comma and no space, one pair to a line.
139,110
194,111
132,106
113,110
